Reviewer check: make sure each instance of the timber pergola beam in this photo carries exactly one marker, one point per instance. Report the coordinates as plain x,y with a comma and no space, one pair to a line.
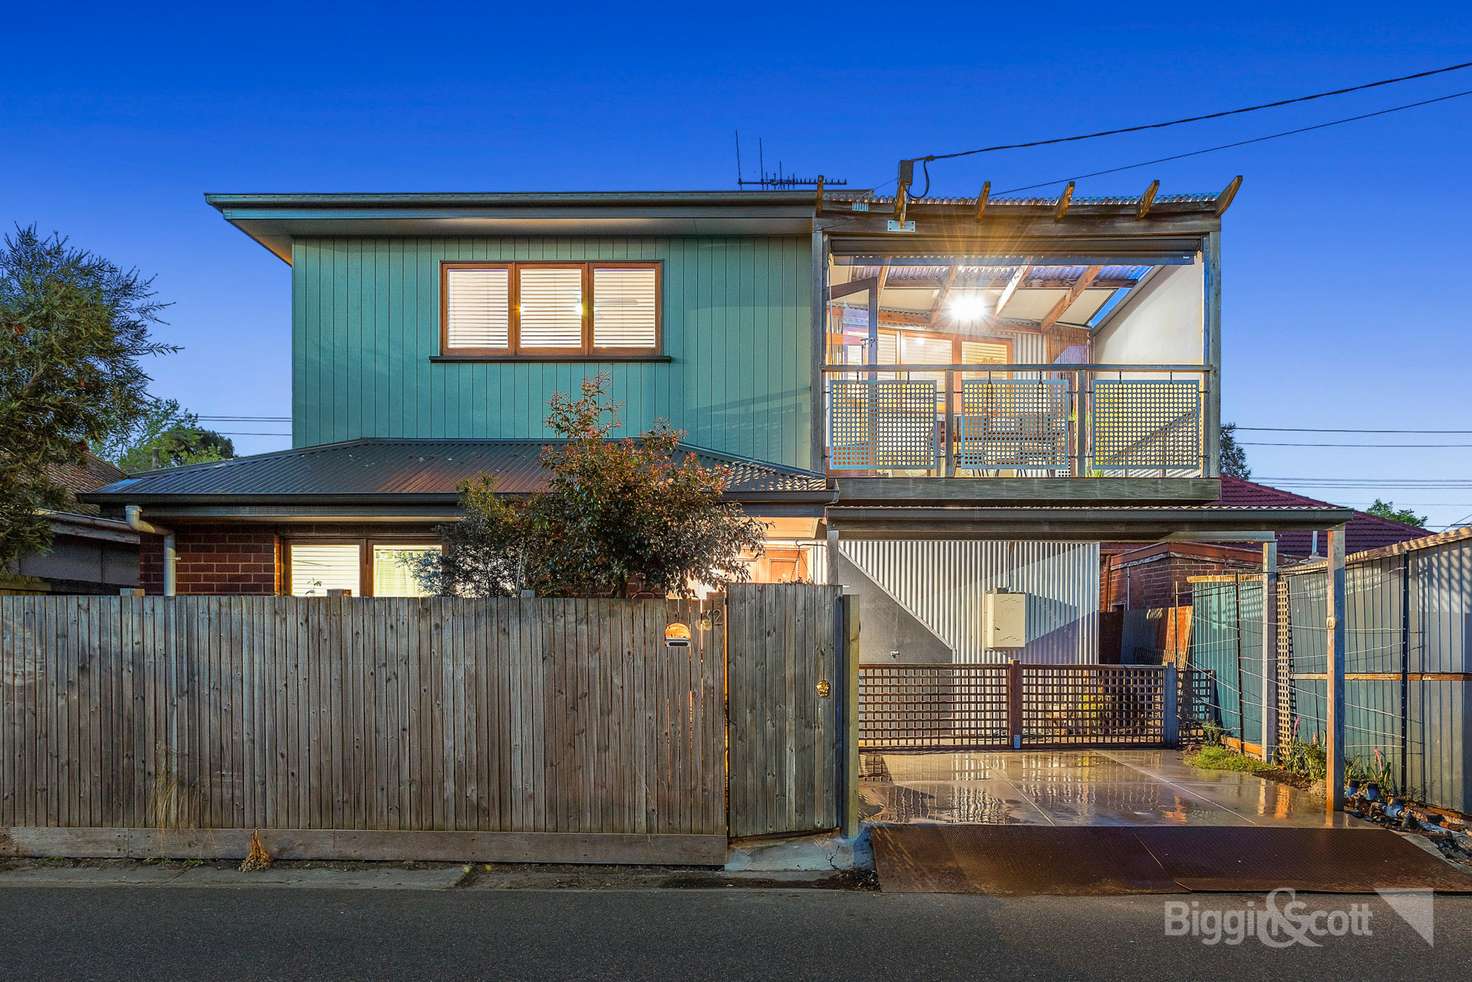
1089,275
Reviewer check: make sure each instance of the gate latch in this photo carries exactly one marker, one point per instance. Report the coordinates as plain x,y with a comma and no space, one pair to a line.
824,688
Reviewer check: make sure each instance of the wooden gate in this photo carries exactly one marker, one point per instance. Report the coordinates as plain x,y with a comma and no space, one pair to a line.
785,692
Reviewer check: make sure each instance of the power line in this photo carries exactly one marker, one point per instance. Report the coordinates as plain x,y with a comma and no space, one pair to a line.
1238,143
1318,429
238,433
1196,119
246,419
1377,446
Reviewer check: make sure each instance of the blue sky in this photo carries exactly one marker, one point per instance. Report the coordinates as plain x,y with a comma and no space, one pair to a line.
1346,254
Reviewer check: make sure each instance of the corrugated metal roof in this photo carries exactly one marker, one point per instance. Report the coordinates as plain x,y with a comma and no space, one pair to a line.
1036,201
409,467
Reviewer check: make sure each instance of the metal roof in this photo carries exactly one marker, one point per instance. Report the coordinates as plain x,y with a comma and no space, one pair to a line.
409,467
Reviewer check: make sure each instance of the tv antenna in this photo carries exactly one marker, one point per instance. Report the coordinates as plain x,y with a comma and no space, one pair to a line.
779,179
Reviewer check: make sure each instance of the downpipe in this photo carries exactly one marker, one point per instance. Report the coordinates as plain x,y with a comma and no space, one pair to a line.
133,515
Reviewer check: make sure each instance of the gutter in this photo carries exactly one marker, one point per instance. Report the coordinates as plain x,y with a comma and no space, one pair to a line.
133,515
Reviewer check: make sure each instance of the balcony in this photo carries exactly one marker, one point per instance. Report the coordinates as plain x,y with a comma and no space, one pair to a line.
1017,421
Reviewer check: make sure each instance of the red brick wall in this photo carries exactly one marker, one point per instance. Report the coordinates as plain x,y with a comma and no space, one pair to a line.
1161,580
213,559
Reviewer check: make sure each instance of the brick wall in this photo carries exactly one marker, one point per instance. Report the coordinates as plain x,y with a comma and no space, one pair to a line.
1159,576
213,559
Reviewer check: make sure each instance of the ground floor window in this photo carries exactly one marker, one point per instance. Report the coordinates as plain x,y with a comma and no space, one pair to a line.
357,567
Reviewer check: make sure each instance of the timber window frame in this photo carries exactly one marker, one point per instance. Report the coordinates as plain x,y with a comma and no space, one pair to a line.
365,546
587,349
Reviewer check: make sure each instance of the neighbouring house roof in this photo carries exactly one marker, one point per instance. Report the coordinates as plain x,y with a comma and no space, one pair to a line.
1361,532
390,471
89,474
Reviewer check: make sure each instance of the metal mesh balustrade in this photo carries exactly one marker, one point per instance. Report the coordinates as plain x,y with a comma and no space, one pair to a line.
1093,705
932,707
882,423
1014,423
1146,424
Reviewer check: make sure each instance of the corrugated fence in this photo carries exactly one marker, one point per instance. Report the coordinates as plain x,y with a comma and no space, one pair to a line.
1408,658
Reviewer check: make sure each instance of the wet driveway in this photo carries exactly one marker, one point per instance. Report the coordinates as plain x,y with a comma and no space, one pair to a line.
1074,788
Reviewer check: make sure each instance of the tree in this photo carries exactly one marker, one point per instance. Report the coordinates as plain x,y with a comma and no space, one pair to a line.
1234,458
165,436
1387,509
615,514
73,328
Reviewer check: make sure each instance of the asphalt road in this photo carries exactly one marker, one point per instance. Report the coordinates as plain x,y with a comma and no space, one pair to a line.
261,933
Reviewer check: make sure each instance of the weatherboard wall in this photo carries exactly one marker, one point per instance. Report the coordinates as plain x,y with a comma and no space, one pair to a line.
736,327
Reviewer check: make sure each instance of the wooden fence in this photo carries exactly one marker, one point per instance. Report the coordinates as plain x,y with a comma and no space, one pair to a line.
504,730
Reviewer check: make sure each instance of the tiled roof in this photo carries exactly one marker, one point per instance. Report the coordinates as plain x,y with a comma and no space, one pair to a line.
407,467
1363,531
88,475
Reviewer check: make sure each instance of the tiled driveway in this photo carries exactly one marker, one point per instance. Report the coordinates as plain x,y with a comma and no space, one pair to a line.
1075,787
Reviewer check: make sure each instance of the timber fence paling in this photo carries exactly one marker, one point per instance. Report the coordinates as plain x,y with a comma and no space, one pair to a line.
358,714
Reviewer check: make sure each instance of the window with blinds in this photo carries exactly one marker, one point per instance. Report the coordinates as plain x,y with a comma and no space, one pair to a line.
625,307
531,309
478,308
393,570
317,570
551,307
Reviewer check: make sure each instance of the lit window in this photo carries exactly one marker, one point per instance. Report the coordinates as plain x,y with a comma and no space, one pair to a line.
542,309
316,570
478,308
625,308
551,314
393,570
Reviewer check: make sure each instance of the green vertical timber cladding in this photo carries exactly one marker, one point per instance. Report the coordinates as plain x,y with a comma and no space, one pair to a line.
736,311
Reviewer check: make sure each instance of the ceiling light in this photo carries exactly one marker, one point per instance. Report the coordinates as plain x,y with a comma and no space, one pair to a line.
967,307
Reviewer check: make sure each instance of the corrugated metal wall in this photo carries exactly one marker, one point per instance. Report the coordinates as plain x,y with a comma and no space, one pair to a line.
737,322
942,583
1437,639
1231,649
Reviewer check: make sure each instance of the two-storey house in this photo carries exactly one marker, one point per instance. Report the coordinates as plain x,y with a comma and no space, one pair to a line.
936,403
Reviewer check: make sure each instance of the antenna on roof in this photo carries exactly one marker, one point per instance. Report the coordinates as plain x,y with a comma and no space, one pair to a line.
779,179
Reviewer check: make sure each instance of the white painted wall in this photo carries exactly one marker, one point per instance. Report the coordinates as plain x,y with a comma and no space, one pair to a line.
1160,323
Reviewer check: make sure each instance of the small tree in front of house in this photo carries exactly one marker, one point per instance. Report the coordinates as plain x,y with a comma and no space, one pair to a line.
617,515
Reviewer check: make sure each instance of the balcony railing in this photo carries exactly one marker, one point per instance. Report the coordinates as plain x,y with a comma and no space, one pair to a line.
1016,420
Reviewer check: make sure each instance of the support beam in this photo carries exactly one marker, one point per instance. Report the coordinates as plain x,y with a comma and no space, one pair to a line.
1334,672
982,199
938,305
1270,681
1224,200
1147,199
1011,288
1085,280
1064,200
853,286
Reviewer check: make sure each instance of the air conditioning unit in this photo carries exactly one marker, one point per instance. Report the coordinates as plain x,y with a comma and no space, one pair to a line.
1004,620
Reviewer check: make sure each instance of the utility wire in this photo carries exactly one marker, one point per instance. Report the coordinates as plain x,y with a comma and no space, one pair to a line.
1196,119
1238,143
1316,429
1376,446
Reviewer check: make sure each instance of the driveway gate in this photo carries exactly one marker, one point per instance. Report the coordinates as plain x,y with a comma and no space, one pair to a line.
1016,706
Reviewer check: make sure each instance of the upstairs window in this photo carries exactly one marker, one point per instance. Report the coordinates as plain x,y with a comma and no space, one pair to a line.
533,310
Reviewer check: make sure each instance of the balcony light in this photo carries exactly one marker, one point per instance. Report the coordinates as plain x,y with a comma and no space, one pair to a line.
967,308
